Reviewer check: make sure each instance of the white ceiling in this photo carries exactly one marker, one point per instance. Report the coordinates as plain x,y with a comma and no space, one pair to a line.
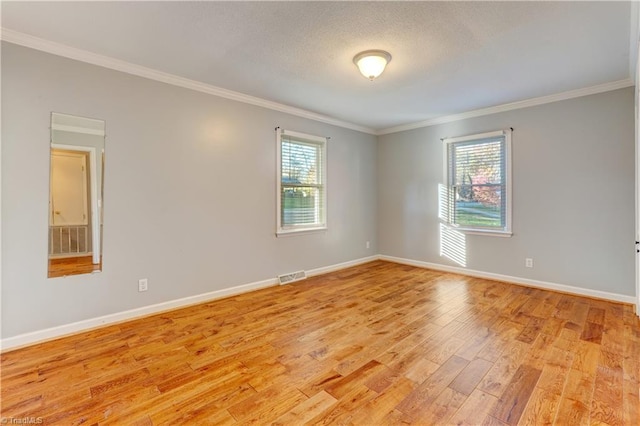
448,57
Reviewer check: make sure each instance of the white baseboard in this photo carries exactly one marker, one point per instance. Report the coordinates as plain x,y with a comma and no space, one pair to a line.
338,266
40,336
597,294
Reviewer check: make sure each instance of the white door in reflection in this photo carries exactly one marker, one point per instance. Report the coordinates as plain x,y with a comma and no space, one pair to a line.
69,198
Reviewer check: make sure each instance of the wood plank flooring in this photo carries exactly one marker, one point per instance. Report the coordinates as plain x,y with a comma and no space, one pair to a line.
60,267
377,344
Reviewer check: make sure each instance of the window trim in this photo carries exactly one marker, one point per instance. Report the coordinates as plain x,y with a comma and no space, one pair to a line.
300,229
507,230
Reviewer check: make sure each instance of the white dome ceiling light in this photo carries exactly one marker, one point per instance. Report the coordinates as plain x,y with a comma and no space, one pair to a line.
372,63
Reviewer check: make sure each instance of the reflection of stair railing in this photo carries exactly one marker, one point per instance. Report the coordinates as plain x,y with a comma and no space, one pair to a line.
68,240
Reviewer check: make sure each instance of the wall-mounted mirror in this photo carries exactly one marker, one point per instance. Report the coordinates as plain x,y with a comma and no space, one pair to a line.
75,195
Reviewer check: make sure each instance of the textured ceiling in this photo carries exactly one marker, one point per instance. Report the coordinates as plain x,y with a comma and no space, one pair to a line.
448,57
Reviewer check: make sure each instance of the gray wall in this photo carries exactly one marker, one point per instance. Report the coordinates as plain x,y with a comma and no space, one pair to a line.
573,193
189,196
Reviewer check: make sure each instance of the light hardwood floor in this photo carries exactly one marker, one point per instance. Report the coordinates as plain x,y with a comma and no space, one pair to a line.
62,267
379,343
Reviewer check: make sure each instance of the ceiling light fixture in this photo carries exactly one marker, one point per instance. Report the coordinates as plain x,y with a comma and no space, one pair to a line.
371,63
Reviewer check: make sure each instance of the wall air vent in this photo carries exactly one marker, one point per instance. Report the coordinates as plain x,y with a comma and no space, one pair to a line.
293,276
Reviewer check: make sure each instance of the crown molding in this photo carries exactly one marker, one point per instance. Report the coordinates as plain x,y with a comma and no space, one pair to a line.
592,90
58,49
76,129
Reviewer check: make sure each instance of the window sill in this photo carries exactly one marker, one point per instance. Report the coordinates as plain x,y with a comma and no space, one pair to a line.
303,231
488,232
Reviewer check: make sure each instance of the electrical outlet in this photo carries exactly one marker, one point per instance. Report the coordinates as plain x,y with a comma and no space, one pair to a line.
143,284
528,262
368,244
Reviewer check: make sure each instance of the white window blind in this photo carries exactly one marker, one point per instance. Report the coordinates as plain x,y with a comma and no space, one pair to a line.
478,182
301,182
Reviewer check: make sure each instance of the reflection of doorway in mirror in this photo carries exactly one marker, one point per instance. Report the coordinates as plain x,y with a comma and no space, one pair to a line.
75,195
69,218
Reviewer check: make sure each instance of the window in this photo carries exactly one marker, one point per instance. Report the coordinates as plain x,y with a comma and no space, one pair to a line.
478,183
302,177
